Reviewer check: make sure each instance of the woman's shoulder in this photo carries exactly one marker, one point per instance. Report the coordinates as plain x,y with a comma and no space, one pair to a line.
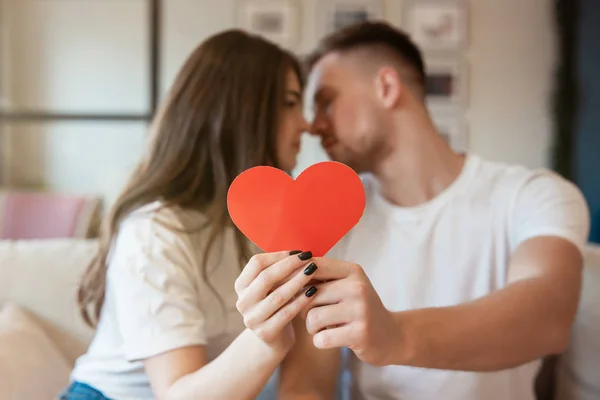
159,213
153,237
156,220
155,226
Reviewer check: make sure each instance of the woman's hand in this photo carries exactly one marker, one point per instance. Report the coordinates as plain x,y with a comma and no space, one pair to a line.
272,291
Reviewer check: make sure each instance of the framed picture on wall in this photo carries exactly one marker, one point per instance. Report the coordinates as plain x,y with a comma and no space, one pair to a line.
446,83
453,129
338,14
38,84
275,20
437,25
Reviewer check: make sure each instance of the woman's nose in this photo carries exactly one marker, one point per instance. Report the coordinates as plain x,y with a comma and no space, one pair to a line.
306,126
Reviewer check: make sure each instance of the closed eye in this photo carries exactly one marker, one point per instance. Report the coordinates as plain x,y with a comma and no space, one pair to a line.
291,103
293,98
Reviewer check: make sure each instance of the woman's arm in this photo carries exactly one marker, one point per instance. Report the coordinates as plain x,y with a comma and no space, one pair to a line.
240,372
161,322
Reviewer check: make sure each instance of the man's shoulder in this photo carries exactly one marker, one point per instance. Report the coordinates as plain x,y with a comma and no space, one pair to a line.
503,171
500,178
519,189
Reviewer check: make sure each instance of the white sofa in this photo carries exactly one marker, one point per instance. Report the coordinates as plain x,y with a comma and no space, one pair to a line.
41,333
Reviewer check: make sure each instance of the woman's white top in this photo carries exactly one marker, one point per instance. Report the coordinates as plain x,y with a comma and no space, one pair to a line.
158,300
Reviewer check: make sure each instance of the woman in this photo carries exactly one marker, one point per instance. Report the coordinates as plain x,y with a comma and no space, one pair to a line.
161,289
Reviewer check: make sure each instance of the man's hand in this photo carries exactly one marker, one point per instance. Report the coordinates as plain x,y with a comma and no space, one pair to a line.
347,312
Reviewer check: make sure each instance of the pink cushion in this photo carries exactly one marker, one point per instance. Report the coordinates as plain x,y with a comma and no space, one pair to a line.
31,215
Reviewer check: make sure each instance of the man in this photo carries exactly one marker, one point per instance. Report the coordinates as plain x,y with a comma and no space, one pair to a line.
462,273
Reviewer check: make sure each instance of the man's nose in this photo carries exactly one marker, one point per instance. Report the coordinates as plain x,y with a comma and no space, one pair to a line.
318,127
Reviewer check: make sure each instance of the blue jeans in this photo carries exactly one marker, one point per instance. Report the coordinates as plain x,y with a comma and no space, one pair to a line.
81,391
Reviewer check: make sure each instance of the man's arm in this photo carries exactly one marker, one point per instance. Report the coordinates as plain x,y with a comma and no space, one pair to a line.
532,315
528,319
525,320
308,373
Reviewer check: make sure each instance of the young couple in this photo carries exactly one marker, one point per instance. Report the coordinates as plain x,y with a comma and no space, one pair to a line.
461,275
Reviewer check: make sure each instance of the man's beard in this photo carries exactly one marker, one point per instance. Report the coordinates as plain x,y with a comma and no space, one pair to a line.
371,152
359,162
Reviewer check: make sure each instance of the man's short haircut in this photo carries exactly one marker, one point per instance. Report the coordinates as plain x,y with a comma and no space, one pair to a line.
372,34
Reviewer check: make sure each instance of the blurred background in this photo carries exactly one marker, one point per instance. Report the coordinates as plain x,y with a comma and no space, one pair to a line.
511,80
515,81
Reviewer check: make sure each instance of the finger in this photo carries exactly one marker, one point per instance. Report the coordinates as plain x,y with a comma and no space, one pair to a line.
330,269
268,306
343,336
268,280
256,265
274,325
290,277
330,316
331,292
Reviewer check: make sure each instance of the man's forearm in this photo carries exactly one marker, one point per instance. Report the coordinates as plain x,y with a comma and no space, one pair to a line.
522,322
308,373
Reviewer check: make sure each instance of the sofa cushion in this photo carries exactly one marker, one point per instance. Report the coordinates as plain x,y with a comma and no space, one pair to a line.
42,276
31,367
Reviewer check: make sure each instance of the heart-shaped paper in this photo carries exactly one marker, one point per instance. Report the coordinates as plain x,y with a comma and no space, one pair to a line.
311,213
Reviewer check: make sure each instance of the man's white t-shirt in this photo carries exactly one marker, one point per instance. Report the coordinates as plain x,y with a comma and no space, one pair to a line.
451,250
157,299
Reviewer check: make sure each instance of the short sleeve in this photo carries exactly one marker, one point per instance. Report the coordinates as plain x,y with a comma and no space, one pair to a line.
151,282
549,205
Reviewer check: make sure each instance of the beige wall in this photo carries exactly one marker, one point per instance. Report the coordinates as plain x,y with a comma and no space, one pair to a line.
512,72
70,55
77,57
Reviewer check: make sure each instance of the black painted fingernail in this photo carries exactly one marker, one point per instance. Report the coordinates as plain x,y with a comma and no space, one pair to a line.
305,255
293,252
311,291
312,267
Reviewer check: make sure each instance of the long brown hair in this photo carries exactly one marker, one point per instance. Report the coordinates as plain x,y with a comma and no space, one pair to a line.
220,118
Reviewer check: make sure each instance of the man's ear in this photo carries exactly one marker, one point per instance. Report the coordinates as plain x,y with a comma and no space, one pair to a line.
388,87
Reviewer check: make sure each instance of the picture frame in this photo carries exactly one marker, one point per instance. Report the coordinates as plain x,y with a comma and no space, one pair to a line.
275,20
338,14
438,25
446,83
453,129
73,104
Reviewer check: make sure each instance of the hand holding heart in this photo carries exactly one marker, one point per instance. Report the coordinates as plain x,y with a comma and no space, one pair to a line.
311,212
268,289
345,311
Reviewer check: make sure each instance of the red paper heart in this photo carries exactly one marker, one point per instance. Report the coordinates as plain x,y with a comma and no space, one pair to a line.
311,213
